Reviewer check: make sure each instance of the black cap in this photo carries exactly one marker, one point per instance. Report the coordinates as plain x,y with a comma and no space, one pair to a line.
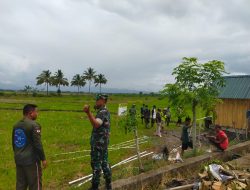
101,96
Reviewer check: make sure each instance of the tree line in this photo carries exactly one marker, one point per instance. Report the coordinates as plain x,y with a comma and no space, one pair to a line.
196,84
58,79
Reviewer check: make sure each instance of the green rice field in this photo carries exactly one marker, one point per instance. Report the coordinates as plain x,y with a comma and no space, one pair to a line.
65,129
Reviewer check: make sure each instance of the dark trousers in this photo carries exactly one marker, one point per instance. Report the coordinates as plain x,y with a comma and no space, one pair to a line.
168,121
142,118
153,122
185,145
99,161
217,145
146,122
29,176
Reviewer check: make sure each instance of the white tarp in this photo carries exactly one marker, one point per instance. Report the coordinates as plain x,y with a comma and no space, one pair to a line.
122,109
217,174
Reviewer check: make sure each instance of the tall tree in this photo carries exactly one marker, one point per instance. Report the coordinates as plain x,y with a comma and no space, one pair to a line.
176,99
58,79
78,81
27,89
44,77
99,80
89,75
130,123
196,84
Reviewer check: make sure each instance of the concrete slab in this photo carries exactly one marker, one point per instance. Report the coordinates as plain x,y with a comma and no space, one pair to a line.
154,178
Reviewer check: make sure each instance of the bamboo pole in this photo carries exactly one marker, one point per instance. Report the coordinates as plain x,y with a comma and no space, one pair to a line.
138,150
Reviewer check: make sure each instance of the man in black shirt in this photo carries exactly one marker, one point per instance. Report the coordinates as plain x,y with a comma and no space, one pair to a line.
146,116
142,112
186,141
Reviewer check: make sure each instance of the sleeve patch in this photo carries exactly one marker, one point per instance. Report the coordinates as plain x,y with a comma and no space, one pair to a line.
99,121
38,131
19,138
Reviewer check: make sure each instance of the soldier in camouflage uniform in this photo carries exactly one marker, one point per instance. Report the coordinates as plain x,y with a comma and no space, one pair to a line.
99,141
132,111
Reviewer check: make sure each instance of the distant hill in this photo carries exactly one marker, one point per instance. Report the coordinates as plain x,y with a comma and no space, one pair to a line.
94,90
122,91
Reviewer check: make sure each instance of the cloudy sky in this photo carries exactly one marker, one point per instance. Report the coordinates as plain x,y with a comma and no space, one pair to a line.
134,43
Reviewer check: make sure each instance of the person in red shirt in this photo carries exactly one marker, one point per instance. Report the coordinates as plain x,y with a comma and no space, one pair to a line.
220,140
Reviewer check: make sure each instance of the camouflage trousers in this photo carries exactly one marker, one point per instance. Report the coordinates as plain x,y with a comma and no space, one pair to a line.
99,162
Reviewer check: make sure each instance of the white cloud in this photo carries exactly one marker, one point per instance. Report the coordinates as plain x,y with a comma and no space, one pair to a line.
136,44
12,63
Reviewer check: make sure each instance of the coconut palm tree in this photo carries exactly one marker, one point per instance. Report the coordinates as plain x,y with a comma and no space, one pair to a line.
44,77
58,79
78,81
89,75
27,89
99,80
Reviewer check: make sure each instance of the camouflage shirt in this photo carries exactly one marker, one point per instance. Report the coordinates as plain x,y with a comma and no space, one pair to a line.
100,135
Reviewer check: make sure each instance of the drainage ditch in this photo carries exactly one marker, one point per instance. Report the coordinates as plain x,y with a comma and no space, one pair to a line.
153,180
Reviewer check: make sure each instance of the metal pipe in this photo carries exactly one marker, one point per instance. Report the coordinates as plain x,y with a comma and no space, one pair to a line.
115,166
136,158
127,146
56,161
82,178
119,163
129,141
204,118
111,148
72,152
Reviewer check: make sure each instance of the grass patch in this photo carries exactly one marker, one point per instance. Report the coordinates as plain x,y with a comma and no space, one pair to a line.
69,131
192,153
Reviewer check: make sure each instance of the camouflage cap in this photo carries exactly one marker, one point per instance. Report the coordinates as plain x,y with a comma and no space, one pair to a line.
101,96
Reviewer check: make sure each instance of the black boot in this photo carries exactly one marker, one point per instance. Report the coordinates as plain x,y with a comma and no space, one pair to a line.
94,187
108,184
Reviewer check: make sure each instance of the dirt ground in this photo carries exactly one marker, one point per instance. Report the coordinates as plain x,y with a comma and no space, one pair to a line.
242,163
172,140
